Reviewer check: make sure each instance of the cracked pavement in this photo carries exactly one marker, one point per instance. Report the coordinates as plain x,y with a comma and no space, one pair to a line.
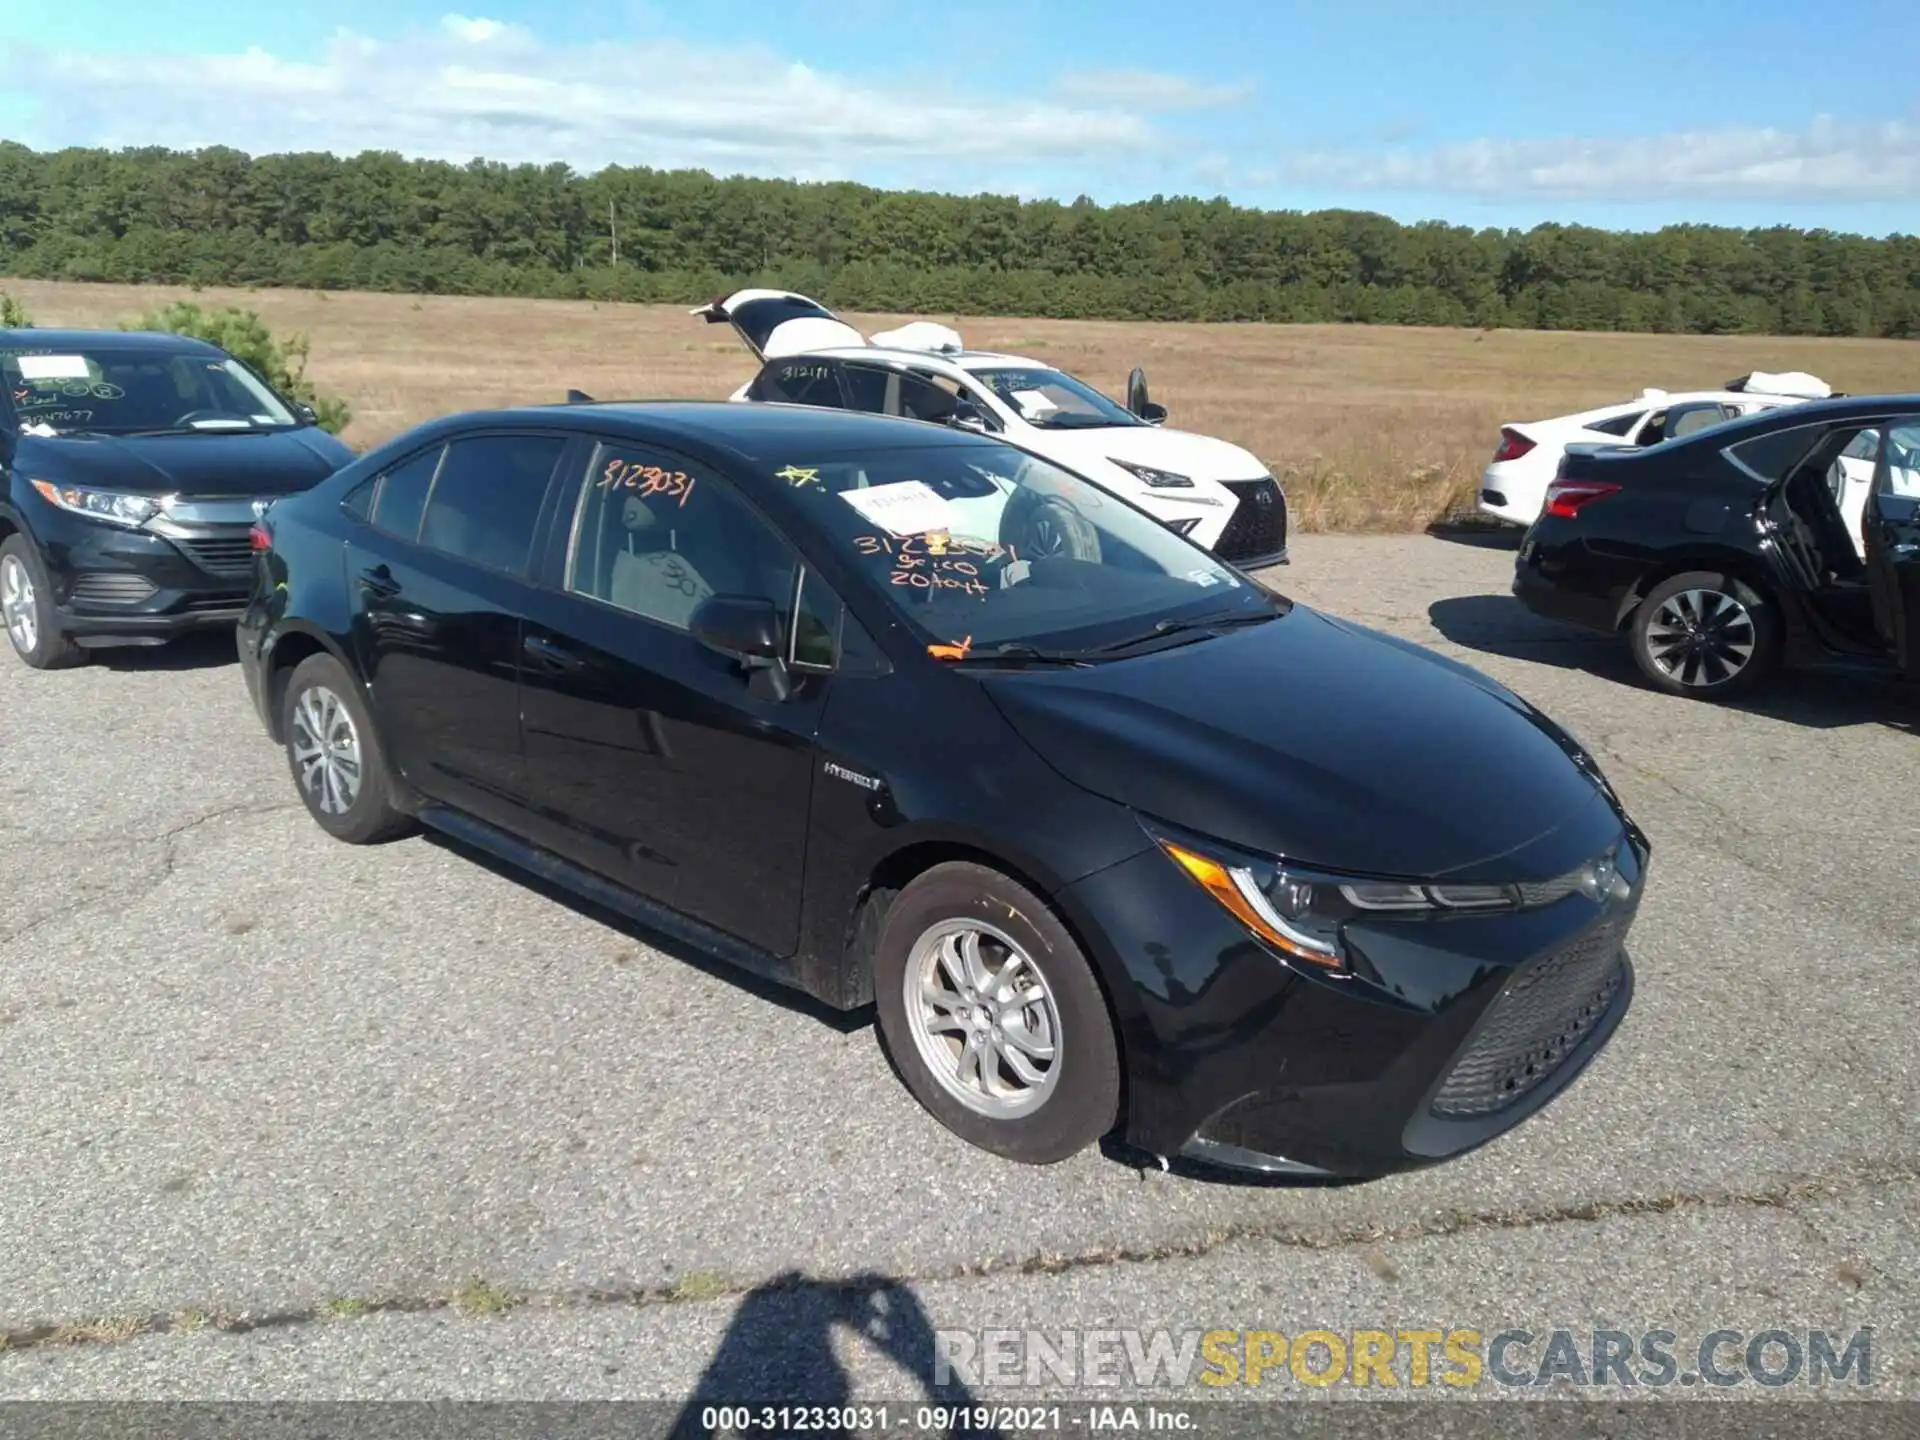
287,1118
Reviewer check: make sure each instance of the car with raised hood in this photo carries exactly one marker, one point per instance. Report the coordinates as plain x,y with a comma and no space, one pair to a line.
1115,840
134,466
1793,535
1514,487
1215,493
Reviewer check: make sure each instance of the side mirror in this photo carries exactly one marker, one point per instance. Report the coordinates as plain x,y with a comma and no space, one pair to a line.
740,626
1137,398
307,413
966,415
1152,412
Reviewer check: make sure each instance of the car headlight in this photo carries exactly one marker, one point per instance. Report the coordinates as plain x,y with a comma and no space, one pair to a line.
1301,912
1158,479
111,506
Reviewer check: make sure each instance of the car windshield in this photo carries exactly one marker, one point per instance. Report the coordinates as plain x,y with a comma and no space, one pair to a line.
131,391
1054,400
979,545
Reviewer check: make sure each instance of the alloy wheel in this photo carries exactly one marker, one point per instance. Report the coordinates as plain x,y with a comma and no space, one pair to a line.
1701,638
18,605
983,1018
326,750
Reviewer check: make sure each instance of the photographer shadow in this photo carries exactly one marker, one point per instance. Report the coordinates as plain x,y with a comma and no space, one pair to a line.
779,1352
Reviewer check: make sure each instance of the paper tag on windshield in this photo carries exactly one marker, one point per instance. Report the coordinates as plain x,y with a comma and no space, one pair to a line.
53,367
908,507
1033,402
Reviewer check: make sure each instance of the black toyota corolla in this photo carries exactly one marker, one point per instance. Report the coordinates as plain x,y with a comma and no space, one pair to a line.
1115,839
130,466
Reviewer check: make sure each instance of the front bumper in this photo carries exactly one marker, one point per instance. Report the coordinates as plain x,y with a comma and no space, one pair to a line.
115,586
1448,1033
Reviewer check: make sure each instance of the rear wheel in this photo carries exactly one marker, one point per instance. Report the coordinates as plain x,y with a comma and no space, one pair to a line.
26,610
335,757
1706,635
993,1017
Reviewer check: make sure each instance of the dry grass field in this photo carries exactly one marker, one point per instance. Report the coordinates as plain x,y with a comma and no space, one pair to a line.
1370,428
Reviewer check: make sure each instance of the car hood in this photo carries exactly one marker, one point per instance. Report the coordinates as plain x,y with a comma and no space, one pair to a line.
1200,457
1315,740
202,465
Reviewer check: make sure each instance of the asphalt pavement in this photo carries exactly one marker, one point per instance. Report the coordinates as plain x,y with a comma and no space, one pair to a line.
288,1118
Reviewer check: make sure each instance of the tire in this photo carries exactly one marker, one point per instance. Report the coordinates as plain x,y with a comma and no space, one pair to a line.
1076,1099
27,613
1706,636
322,704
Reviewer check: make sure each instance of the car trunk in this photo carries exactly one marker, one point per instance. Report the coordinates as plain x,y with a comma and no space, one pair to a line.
778,323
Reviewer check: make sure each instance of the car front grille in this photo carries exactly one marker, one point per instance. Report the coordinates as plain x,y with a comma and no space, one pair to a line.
1258,526
222,554
111,589
1535,1023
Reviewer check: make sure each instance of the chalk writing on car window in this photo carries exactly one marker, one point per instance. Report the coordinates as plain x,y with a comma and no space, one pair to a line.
798,475
107,390
61,417
935,580
646,479
897,547
803,372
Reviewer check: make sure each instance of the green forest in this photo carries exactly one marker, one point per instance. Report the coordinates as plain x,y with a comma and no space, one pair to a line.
378,221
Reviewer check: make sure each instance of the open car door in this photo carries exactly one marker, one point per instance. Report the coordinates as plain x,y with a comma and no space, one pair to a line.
777,323
1892,536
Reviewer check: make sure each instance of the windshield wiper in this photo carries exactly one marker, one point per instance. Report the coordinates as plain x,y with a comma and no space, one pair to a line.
1019,654
1199,628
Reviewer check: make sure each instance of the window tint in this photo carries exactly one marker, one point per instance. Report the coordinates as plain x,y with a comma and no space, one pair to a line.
486,503
1698,417
799,382
655,536
881,391
1769,457
403,494
1619,424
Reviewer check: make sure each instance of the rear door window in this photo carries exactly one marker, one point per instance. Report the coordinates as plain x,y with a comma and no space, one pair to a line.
486,501
1621,425
401,498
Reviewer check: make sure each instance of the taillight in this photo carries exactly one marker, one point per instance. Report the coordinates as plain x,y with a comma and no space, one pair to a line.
1512,445
1567,498
260,538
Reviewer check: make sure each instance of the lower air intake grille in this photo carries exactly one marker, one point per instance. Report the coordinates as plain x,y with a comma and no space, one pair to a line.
222,556
1531,1028
111,589
1258,527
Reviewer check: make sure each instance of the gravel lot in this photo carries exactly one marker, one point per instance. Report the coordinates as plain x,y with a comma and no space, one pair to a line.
250,1074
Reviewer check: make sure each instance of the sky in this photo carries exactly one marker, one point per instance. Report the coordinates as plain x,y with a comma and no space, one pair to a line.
1630,115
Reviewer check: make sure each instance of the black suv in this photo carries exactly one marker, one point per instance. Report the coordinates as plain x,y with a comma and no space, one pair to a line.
1790,534
132,467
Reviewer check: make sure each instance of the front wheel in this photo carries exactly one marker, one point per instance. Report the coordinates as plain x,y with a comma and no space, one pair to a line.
1705,635
993,1016
26,609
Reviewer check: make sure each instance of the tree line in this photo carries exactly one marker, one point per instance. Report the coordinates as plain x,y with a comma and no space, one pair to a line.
381,222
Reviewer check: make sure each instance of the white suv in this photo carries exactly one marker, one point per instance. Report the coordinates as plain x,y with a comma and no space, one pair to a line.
1216,493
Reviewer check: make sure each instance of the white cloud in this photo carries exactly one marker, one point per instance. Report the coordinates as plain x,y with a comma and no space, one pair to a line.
1828,160
477,87
1147,90
474,32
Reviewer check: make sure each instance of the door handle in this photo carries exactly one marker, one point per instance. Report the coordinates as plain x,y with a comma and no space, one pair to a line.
379,582
1904,548
548,653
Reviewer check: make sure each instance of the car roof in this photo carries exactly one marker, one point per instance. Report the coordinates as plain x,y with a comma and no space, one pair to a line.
163,341
749,432
943,361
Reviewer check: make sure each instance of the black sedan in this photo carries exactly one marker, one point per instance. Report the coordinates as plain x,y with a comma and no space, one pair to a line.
904,715
131,469
1794,534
